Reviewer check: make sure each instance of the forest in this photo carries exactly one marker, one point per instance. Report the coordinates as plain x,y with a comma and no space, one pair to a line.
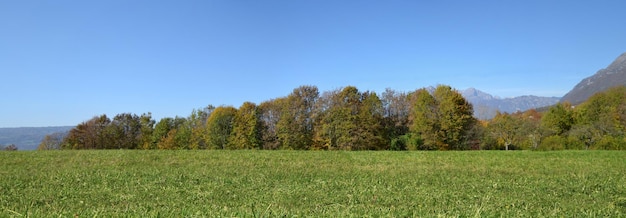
350,119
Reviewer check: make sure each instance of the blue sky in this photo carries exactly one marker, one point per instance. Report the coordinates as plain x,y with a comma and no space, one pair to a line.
63,62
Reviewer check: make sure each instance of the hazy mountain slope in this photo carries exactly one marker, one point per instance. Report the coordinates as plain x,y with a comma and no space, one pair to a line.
28,138
486,105
613,75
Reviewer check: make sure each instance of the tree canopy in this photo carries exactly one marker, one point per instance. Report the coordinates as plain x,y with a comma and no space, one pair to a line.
350,119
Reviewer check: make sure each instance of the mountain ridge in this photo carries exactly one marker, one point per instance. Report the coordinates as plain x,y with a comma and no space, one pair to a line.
486,105
603,79
28,138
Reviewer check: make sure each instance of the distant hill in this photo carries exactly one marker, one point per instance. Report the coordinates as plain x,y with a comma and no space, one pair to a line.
486,105
28,138
613,75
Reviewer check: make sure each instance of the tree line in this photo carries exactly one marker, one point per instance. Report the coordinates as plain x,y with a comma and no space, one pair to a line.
350,119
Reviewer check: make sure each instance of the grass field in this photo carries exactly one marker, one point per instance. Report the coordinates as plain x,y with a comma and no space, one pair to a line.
327,184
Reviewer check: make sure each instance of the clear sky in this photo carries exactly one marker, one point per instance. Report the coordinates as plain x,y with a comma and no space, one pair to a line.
63,62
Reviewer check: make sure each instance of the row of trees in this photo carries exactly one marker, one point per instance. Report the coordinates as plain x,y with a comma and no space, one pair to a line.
348,119
599,123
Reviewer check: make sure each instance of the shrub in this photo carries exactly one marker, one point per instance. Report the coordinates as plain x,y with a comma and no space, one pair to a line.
608,142
551,143
399,144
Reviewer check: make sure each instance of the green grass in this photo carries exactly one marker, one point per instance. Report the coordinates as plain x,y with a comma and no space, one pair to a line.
327,184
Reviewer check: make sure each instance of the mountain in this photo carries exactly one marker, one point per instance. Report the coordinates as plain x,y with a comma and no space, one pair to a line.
613,75
486,105
28,138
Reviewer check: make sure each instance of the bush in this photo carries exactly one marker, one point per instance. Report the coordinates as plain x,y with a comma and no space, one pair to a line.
573,143
410,142
552,143
10,147
399,144
488,143
608,142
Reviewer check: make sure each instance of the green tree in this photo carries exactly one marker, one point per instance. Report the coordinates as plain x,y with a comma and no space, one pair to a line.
600,122
220,126
161,131
559,119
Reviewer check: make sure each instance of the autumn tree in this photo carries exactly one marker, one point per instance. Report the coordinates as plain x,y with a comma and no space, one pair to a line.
370,131
52,141
246,128
197,124
507,129
88,135
219,127
349,120
161,129
396,109
295,126
172,133
443,119
424,119
270,113
124,131
337,119
146,128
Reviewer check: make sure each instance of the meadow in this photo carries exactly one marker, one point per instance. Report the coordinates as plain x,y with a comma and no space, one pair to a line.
252,183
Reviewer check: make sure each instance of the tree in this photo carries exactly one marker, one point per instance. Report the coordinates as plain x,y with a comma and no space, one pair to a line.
124,131
147,128
174,133
350,120
219,127
11,147
160,132
559,119
183,133
506,129
396,110
197,122
51,141
443,119
246,128
295,126
601,119
424,119
270,113
338,119
370,130
88,135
